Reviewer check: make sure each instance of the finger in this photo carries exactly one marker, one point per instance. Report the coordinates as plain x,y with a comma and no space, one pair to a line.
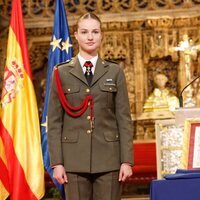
65,178
58,180
124,178
61,180
120,175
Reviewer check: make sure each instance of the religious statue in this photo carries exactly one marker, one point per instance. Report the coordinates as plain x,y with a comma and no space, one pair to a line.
161,99
189,51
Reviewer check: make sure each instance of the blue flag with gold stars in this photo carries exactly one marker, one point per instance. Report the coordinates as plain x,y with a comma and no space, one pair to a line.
60,51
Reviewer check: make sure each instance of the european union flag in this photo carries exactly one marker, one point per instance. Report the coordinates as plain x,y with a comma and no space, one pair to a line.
60,51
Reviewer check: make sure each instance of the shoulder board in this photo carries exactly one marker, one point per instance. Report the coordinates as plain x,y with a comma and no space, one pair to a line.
65,62
111,61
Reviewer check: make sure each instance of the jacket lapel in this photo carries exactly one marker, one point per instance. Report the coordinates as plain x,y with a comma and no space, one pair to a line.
77,70
100,70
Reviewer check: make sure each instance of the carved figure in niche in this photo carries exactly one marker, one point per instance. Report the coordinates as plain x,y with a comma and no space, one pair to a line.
190,51
149,133
140,133
161,98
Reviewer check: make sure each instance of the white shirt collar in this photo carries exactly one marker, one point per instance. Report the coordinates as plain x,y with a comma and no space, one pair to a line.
83,60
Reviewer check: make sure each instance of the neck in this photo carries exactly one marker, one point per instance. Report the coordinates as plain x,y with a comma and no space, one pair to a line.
161,88
88,56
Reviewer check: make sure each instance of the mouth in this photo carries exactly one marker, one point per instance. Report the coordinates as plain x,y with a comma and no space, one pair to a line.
90,43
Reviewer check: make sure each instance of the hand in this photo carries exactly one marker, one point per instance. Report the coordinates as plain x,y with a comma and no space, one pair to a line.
125,172
59,174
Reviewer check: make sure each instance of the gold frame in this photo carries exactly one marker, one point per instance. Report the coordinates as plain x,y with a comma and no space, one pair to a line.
166,131
189,143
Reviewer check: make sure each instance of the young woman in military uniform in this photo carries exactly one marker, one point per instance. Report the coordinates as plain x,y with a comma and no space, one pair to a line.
89,122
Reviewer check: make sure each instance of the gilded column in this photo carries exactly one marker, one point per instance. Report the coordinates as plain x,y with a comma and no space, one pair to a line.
139,71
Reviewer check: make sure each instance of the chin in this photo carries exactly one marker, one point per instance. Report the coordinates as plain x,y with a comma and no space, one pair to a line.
91,51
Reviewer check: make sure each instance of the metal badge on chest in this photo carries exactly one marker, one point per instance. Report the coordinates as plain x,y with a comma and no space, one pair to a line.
88,73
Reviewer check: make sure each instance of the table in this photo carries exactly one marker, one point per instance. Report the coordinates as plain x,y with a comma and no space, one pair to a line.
176,189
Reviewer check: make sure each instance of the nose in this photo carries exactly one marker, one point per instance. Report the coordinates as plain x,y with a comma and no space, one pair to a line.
90,36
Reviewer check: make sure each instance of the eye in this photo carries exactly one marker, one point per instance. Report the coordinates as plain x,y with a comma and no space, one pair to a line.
83,32
96,31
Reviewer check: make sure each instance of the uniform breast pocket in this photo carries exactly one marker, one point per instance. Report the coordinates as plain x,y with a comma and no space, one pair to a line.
70,137
72,92
109,90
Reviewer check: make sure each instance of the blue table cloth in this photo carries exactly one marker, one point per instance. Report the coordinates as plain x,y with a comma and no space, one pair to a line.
175,189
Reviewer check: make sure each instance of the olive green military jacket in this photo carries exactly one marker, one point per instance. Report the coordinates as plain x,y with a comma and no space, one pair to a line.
70,140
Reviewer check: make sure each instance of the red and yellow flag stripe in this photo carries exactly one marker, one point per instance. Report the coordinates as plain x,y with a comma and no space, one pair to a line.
4,183
20,152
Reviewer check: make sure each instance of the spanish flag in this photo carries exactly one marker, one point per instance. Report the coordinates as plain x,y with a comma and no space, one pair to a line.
20,143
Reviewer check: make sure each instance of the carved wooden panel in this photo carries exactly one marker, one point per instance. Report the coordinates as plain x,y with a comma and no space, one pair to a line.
138,34
117,46
41,8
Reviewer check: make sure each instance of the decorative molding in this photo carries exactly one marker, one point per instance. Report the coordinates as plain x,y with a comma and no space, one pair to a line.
137,34
40,13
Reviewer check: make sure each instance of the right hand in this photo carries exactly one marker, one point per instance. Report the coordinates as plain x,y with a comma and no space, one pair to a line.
59,174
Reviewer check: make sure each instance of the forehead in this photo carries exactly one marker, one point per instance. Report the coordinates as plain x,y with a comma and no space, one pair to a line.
160,77
89,24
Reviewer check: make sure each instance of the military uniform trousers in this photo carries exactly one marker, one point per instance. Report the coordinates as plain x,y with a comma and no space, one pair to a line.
98,186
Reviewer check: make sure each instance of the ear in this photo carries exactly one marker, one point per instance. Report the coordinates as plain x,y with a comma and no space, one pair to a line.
75,34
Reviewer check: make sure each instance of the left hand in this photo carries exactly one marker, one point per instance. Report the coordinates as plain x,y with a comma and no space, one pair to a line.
125,172
59,174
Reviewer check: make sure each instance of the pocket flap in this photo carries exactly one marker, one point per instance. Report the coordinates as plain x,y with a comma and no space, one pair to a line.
71,138
108,87
70,89
110,136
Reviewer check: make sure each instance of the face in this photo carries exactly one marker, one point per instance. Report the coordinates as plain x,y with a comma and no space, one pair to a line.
160,81
88,36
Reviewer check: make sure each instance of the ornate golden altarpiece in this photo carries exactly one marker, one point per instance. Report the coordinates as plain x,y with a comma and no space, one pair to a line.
137,33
